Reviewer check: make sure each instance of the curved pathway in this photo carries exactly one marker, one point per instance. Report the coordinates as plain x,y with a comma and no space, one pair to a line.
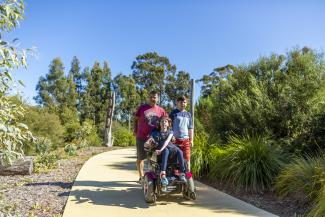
106,186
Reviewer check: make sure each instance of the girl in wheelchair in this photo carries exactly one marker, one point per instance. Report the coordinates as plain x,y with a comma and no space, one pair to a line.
161,140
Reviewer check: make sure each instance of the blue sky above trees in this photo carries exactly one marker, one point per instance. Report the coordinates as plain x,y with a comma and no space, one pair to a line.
197,36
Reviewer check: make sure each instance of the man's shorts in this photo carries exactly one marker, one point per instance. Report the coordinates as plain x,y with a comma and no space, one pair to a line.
185,146
141,154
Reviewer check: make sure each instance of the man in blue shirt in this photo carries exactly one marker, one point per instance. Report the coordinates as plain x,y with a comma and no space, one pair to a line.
183,128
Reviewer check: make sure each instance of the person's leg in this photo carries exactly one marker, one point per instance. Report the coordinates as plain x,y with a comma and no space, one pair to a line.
141,155
164,160
185,146
180,159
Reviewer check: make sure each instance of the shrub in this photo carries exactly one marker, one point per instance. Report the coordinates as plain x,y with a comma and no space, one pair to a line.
72,130
45,162
88,135
251,162
43,145
44,124
122,137
203,155
302,178
70,149
198,162
318,210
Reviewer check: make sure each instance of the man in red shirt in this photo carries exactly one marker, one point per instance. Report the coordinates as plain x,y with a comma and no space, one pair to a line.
146,119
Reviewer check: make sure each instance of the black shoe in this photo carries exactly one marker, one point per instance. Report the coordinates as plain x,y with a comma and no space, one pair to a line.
141,179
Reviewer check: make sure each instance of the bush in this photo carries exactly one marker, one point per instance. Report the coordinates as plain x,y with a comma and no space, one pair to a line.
88,135
122,137
198,161
203,155
318,210
302,178
43,145
72,130
70,149
251,162
45,162
44,124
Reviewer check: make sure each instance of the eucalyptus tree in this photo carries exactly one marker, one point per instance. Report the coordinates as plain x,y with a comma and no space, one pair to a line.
13,134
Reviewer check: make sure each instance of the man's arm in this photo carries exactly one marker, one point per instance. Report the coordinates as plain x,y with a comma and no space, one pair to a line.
165,144
191,135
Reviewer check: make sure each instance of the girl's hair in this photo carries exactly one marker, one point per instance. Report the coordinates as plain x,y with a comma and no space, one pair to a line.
165,118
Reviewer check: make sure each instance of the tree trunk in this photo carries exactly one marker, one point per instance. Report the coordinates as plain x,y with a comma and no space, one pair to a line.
19,167
109,121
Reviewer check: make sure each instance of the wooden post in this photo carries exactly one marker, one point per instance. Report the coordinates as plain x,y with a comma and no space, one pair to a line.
192,99
192,112
109,121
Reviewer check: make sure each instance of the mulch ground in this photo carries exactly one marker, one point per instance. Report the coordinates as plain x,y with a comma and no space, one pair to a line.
285,207
44,194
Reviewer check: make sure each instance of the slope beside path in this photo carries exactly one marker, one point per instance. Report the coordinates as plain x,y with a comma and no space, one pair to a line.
106,186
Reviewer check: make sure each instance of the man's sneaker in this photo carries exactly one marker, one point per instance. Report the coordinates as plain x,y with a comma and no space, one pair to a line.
182,177
141,180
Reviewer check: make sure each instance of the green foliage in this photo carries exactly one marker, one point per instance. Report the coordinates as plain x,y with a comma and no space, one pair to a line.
251,162
43,163
203,154
43,124
71,149
302,178
77,77
154,72
97,93
13,133
88,135
275,95
127,99
122,137
205,114
52,88
72,130
318,210
58,93
43,146
198,160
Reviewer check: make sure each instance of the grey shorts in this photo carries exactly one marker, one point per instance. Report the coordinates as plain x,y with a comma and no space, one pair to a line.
141,154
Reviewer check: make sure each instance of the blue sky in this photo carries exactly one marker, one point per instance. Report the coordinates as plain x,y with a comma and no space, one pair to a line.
197,36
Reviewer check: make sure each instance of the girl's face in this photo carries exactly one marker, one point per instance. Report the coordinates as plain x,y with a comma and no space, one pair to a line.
164,124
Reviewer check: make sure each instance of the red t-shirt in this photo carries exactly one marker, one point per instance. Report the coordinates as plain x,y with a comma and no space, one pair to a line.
148,119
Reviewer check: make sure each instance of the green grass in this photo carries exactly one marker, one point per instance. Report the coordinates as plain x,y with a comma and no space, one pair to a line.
250,162
304,180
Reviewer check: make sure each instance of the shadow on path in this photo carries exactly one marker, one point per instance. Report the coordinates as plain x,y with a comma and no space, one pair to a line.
111,194
129,165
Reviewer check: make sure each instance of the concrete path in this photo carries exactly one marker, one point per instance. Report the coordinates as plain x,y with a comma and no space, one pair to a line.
106,187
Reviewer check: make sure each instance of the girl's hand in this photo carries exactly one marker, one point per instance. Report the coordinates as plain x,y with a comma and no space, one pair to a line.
158,152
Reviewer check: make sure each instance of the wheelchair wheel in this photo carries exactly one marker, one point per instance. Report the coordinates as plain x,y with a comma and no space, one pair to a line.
149,190
186,195
193,195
